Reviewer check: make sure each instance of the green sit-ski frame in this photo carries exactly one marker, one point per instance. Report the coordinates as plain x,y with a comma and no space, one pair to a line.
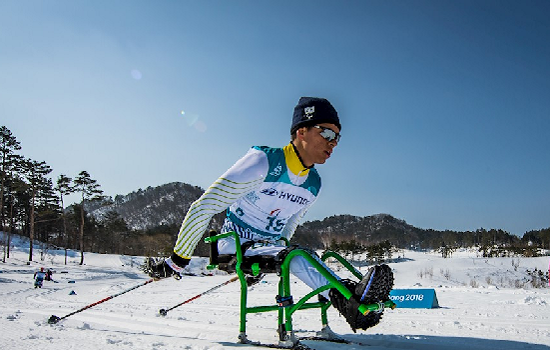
287,309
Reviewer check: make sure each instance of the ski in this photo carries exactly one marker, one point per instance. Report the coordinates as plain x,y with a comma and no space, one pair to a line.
301,346
335,340
297,346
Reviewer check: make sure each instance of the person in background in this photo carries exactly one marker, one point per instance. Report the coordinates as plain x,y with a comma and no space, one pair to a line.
39,278
49,274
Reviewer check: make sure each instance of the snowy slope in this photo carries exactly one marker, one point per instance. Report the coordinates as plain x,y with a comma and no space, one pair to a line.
479,307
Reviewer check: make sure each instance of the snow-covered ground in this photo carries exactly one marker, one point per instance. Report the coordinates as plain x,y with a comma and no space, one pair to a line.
480,307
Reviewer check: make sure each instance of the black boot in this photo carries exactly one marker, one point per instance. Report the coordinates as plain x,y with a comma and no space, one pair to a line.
375,287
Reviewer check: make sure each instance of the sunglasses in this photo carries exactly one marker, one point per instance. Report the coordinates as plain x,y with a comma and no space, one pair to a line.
328,134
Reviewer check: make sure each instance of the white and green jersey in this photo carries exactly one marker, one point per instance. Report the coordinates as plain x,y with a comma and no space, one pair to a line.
266,193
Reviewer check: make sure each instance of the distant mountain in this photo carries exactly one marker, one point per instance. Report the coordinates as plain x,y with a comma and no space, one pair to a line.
152,207
166,205
367,230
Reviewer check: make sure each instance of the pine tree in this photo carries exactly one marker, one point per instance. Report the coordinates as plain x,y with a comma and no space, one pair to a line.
34,173
13,187
8,146
89,189
64,187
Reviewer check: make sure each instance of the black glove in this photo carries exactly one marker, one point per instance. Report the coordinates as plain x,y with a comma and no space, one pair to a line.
161,268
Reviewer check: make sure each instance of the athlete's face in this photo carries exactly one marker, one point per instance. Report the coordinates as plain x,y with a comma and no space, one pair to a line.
318,143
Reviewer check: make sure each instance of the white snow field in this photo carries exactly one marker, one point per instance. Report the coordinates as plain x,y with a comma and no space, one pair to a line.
480,306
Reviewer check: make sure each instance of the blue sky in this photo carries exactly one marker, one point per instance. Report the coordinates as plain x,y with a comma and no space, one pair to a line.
445,105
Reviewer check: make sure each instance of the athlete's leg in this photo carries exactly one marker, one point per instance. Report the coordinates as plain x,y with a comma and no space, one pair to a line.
299,266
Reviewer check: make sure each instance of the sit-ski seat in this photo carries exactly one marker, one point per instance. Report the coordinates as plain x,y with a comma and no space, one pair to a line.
250,266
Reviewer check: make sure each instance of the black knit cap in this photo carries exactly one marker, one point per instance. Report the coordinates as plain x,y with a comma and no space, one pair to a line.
312,111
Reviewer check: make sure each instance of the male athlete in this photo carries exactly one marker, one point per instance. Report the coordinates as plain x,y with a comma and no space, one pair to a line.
266,193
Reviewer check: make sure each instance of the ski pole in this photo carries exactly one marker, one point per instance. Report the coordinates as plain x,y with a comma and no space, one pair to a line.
164,312
54,319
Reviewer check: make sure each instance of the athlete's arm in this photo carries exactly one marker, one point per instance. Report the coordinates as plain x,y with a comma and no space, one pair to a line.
244,176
